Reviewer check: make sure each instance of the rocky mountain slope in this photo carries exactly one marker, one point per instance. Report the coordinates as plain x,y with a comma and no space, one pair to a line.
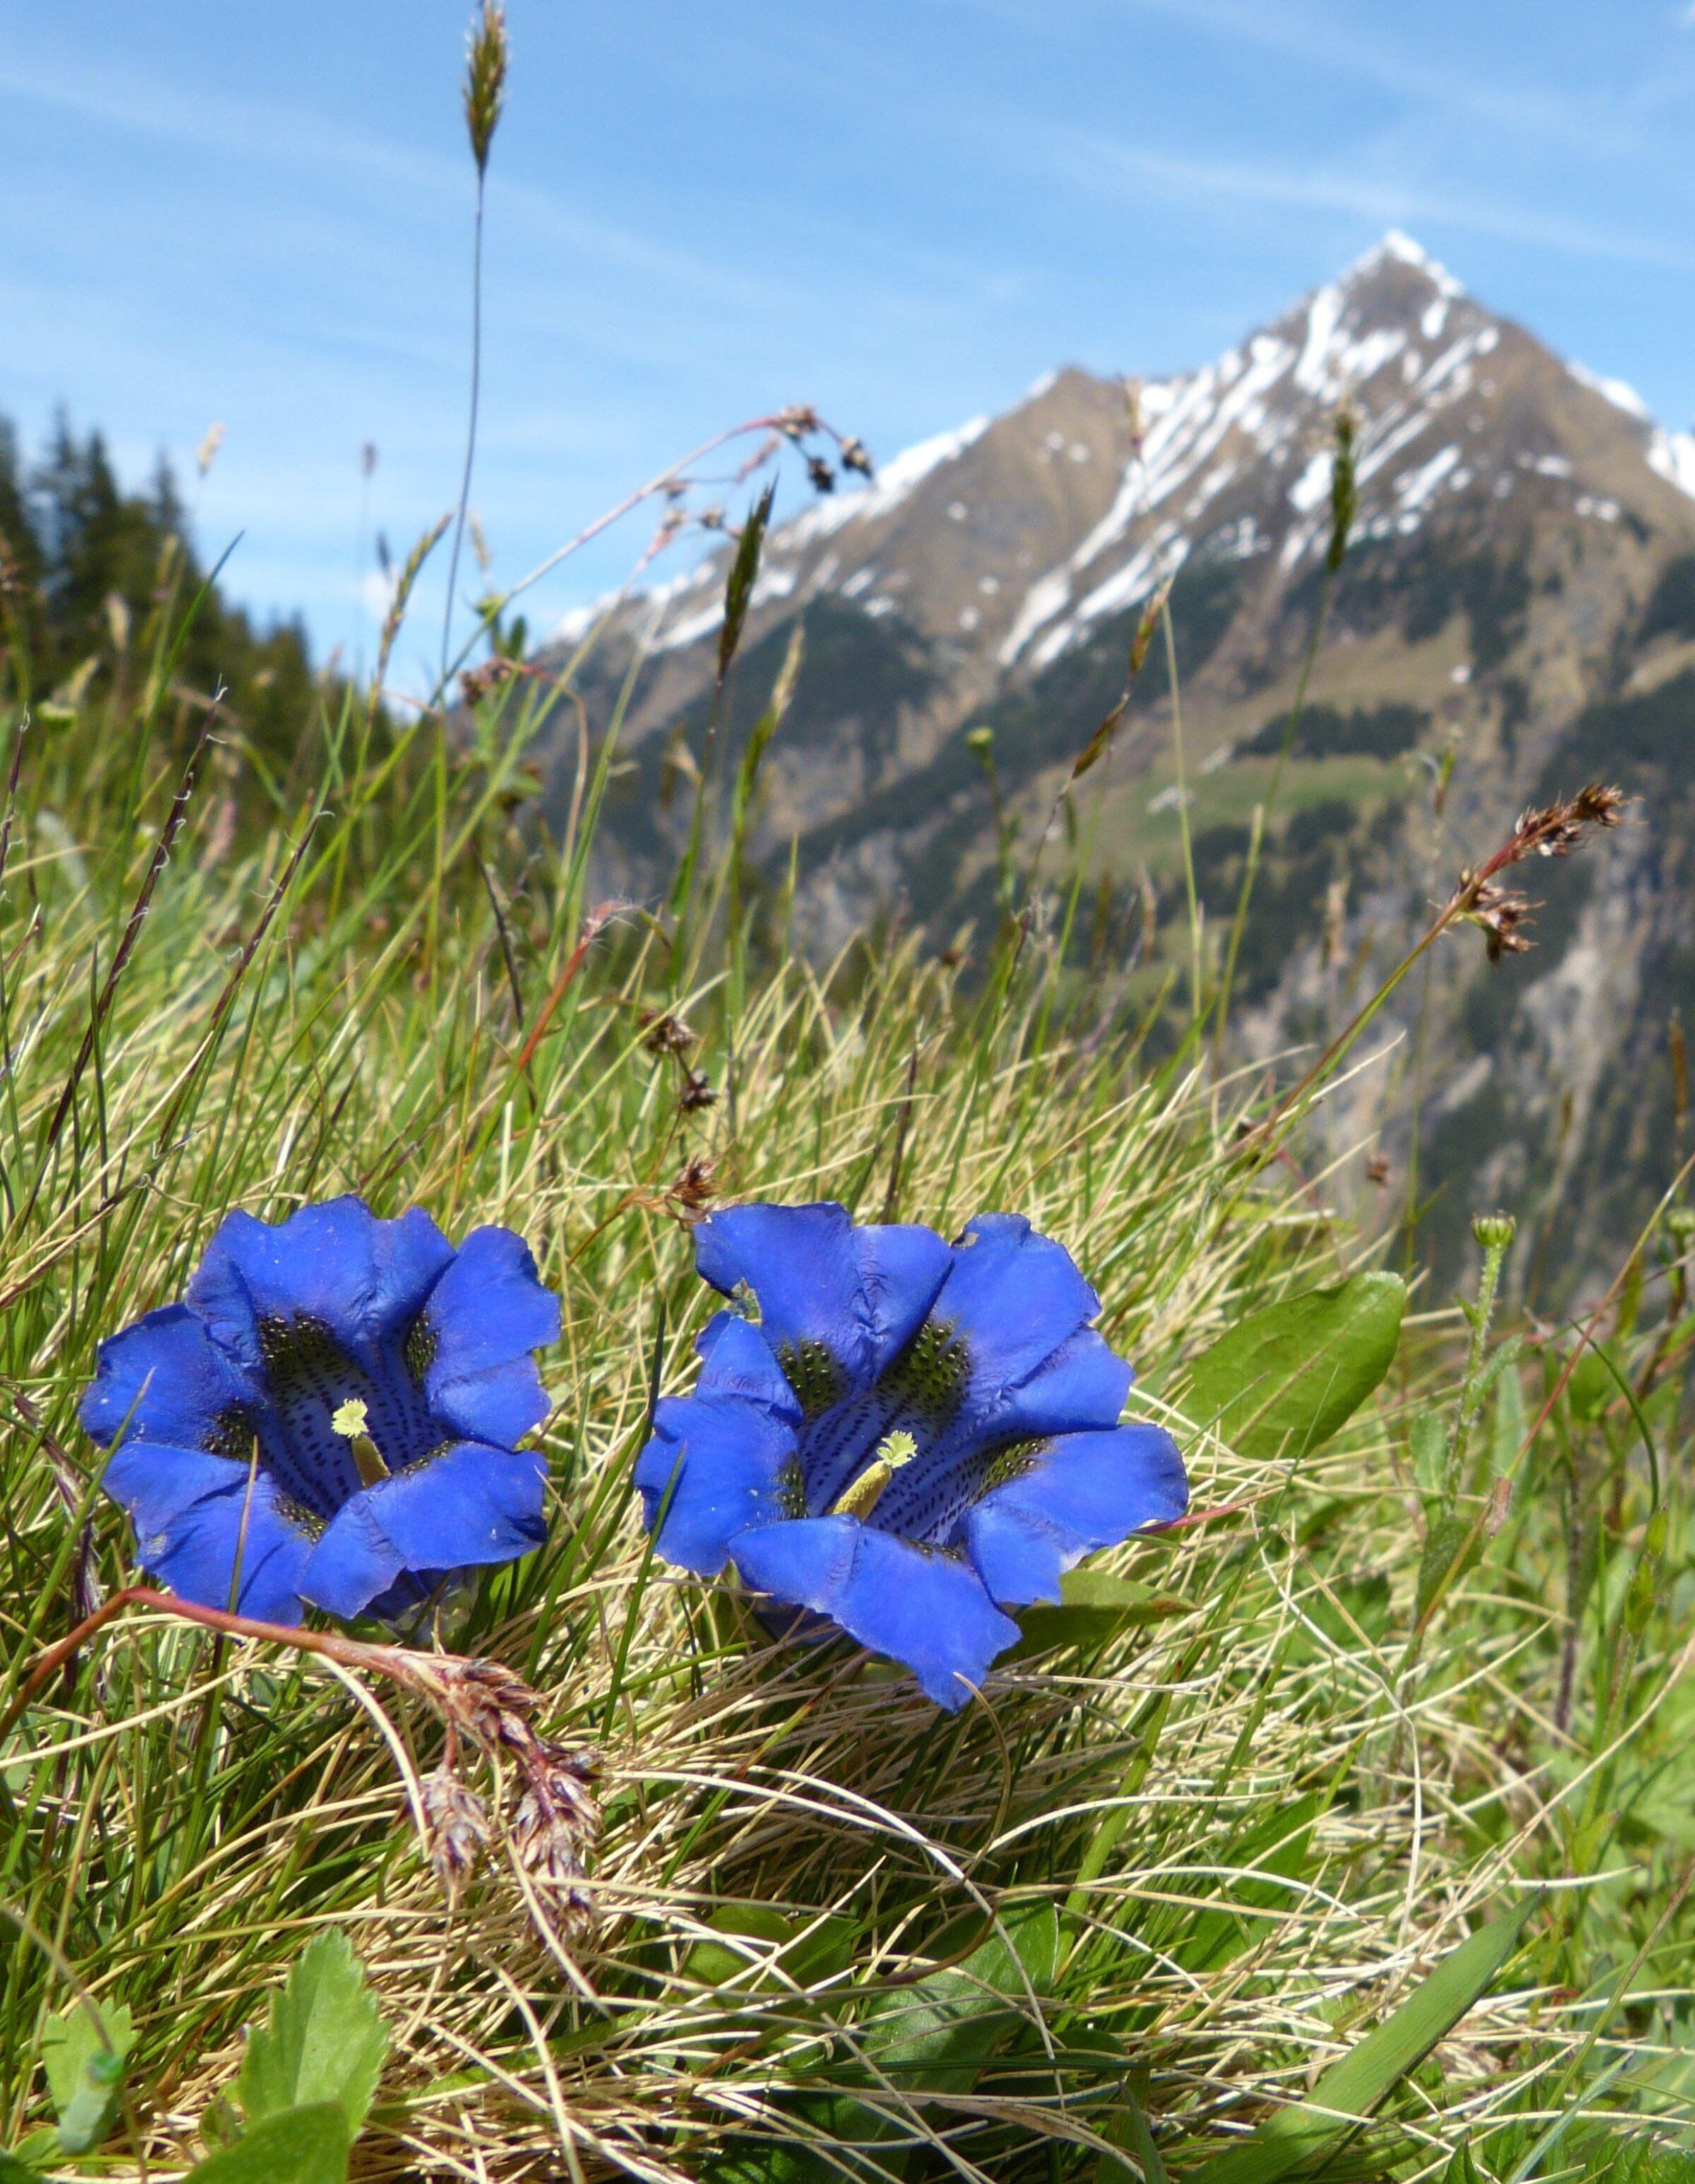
1516,614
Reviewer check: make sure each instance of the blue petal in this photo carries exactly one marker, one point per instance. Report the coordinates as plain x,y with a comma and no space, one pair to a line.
164,1375
155,1483
736,1360
928,1610
862,1293
486,1313
1083,1384
473,1504
901,1269
1015,1298
1088,1491
735,1471
194,1549
364,1279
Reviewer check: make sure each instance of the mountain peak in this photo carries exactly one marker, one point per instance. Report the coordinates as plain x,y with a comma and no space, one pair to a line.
1396,248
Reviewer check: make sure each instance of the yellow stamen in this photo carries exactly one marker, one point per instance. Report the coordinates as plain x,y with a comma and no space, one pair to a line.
350,1421
861,1498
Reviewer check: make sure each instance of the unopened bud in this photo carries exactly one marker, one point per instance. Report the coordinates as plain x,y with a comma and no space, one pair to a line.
1680,1225
1494,1232
980,740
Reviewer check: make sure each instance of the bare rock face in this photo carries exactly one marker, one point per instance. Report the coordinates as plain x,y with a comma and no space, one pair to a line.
1515,614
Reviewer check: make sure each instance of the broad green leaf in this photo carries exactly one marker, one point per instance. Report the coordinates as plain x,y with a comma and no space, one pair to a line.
1345,2096
1282,1382
937,2036
1507,1430
324,2040
306,2145
84,2073
13,2172
799,1951
1428,1441
1448,1534
1093,1606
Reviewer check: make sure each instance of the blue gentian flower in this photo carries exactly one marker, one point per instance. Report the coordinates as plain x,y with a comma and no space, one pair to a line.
384,1380
900,1434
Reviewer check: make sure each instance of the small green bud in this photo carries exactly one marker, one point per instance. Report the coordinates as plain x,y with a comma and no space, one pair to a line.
1680,1224
980,740
1494,1232
1642,1596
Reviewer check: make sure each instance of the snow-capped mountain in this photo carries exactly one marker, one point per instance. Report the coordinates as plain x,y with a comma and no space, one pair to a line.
1518,599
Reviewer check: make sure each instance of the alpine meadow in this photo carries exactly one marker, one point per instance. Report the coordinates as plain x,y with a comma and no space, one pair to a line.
739,1443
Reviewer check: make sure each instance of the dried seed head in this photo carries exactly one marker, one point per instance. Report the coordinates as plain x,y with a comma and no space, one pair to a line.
854,456
697,1093
1554,830
797,420
476,682
666,1034
485,81
1500,913
697,1186
823,476
483,1700
556,1823
456,1827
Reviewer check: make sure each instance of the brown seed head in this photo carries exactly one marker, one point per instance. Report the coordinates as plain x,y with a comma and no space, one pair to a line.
476,682
456,1827
556,1822
666,1034
823,476
854,456
697,1186
697,1093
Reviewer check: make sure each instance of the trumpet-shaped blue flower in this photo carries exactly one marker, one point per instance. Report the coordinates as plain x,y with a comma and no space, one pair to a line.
332,1415
905,1436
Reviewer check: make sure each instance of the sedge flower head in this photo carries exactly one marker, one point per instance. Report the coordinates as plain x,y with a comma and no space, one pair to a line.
904,1435
332,1416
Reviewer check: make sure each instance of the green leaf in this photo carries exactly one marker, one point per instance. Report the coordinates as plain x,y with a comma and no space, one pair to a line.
796,1956
13,2172
84,2073
1280,1846
324,2041
739,585
1283,1381
940,2032
1429,1443
1345,2096
1448,1534
1093,1606
305,2145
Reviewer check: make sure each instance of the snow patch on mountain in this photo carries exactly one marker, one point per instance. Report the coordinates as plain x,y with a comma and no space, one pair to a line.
1619,391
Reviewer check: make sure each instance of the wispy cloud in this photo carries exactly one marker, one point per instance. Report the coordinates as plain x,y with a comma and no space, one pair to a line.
1092,161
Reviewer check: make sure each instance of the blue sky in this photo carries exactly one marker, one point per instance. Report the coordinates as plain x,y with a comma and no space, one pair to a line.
903,210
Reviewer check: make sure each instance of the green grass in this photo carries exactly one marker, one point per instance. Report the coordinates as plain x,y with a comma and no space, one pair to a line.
1217,1843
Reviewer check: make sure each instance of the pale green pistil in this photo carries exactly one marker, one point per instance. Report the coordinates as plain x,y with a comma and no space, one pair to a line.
860,1499
350,1421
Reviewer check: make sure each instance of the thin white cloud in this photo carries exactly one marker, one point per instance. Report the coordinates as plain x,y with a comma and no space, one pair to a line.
1105,165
